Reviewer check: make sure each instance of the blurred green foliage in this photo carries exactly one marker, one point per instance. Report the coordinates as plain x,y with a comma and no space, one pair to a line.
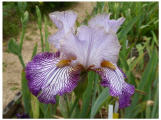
12,12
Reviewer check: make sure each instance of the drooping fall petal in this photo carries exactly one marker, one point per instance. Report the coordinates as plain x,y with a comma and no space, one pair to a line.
46,80
114,79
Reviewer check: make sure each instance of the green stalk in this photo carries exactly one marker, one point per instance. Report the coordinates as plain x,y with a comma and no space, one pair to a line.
21,43
68,110
73,106
39,20
22,37
94,89
46,35
42,43
21,61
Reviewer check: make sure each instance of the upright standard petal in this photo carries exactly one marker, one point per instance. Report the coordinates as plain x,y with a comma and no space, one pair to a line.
98,45
46,80
104,21
65,22
114,79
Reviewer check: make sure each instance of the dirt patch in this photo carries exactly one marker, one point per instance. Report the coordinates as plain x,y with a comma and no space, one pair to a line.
11,65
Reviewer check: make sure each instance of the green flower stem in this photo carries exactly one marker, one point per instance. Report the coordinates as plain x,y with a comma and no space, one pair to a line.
46,35
94,89
42,43
21,61
22,37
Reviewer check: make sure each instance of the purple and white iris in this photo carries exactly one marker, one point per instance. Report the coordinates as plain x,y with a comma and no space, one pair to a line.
93,47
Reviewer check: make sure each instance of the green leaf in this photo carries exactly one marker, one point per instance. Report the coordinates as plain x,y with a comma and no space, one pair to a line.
82,85
13,47
26,96
127,27
144,85
39,17
47,109
63,107
87,95
39,20
25,18
73,106
24,21
34,106
46,35
34,51
155,38
156,104
149,72
99,102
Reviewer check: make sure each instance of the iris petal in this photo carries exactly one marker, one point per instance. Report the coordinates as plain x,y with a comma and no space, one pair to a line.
114,79
92,43
98,45
46,80
65,22
104,21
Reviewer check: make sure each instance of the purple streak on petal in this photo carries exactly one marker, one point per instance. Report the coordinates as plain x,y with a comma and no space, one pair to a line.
114,79
46,81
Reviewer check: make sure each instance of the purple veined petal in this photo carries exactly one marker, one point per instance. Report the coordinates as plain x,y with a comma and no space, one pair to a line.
124,99
114,79
46,80
104,21
65,22
98,45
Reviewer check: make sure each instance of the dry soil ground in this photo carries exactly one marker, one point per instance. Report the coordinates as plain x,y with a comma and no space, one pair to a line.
11,65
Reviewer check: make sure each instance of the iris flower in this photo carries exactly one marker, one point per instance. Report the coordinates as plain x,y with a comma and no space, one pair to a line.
94,47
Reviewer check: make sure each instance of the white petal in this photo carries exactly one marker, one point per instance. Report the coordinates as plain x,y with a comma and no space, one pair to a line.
104,22
65,22
98,46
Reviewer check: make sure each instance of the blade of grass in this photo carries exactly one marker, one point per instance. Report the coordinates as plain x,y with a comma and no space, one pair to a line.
26,97
46,35
99,101
39,20
87,96
34,51
34,106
